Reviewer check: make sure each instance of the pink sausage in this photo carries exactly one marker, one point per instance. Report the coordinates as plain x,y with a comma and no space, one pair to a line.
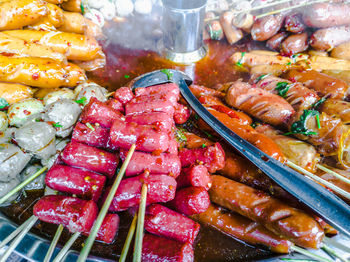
182,114
123,134
124,95
156,164
194,176
96,136
90,158
76,214
97,112
191,200
116,105
160,120
162,221
170,88
85,184
159,105
108,229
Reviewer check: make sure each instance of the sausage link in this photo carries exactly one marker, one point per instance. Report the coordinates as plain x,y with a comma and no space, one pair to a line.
242,228
51,21
341,51
337,108
294,44
323,84
232,33
294,24
266,27
276,41
14,93
73,23
276,216
72,6
328,38
297,95
259,103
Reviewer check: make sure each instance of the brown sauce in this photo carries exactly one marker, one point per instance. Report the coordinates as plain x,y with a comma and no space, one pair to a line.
122,66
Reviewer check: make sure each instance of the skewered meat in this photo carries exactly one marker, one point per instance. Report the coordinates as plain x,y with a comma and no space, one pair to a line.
199,91
276,41
191,200
85,184
295,44
160,120
242,228
197,176
182,114
23,110
116,105
161,188
162,221
73,23
212,157
328,38
149,104
293,23
232,33
170,89
276,216
71,5
337,108
157,249
37,138
341,51
14,93
91,135
156,164
124,95
266,27
146,138
91,158
7,186
75,214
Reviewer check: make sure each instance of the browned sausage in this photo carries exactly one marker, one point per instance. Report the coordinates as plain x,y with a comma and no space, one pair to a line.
322,15
242,228
194,141
266,27
259,103
73,22
276,216
296,94
199,91
72,6
328,38
294,44
276,41
232,33
337,108
294,23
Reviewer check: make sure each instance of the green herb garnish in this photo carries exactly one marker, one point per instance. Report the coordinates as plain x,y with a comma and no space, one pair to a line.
126,76
168,73
318,103
90,126
3,103
239,63
282,88
180,136
81,101
254,124
261,77
289,63
207,134
214,34
57,124
203,145
318,121
299,127
82,7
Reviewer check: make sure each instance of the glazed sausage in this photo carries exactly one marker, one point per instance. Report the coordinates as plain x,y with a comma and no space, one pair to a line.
276,41
149,104
74,46
72,5
242,228
92,135
259,103
341,51
294,44
182,114
323,15
300,153
232,33
159,120
76,214
73,23
19,13
199,91
194,141
197,176
266,27
14,93
124,95
191,200
328,38
276,216
294,24
51,21
170,90
162,221
39,72
337,108
20,48
98,62
297,95
323,84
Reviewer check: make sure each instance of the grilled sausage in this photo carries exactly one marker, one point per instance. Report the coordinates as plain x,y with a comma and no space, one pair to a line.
328,38
162,221
276,41
259,103
19,13
159,120
171,90
116,105
194,141
13,93
92,135
294,24
149,104
337,108
85,184
297,95
323,84
191,200
266,27
242,228
76,214
72,6
39,72
199,91
294,44
181,114
341,51
276,216
51,21
124,95
90,158
197,176
72,23
323,15
232,33
74,46
108,229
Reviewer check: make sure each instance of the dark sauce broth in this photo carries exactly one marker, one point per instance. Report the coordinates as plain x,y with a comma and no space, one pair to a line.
122,66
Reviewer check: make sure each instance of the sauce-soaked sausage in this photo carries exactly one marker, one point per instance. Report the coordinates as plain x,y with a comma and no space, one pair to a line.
199,91
294,23
278,217
259,103
323,84
337,108
328,38
297,95
294,44
276,41
266,27
242,228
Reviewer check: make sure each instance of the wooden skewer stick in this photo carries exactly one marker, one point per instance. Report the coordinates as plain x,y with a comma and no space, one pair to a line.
333,173
309,254
129,237
333,242
66,247
53,243
32,220
93,233
332,252
320,180
21,185
140,225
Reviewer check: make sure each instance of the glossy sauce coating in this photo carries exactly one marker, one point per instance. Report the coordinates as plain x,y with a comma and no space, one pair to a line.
94,135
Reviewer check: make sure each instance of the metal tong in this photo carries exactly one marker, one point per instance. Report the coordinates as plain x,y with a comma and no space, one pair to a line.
327,205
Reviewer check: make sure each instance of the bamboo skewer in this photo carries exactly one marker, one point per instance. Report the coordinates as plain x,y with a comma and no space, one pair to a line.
309,254
333,173
93,233
333,253
129,237
66,247
53,243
